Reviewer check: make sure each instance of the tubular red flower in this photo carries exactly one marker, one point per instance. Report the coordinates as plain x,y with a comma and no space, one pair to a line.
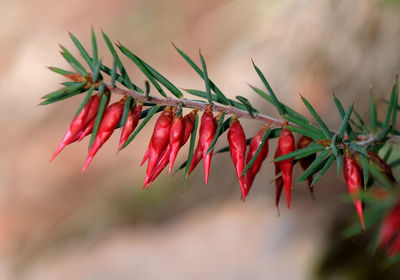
208,128
278,180
163,162
111,118
158,142
79,123
131,123
188,124
176,134
352,176
389,236
305,162
286,145
252,172
237,149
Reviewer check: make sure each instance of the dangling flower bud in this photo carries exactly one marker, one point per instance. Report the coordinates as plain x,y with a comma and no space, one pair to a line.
286,145
278,181
352,176
237,149
175,139
305,162
389,236
158,142
79,123
255,168
131,123
111,118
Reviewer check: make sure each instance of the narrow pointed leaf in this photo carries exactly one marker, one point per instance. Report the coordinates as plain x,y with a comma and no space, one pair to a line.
365,168
306,132
206,80
317,118
217,133
221,98
203,94
72,88
345,122
391,105
150,114
275,101
124,76
148,111
357,148
99,116
362,123
259,148
95,61
301,153
325,168
85,101
395,103
73,61
160,78
60,71
388,153
395,163
114,72
142,68
289,110
127,108
315,166
247,104
191,148
342,115
82,50
59,98
372,113
304,124
339,163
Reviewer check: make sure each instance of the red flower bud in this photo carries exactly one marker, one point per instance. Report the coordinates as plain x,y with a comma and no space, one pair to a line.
158,142
188,124
286,145
278,181
111,118
175,139
237,149
131,123
208,128
389,236
305,162
352,176
252,172
79,123
163,162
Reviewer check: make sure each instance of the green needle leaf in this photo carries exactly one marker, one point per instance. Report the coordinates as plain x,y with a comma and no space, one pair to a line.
124,76
149,115
301,153
73,61
72,88
303,124
289,110
99,116
315,166
317,118
305,131
355,147
127,108
205,78
95,50
275,101
203,94
364,127
342,115
191,149
365,167
60,71
221,98
372,113
160,78
247,104
345,122
82,50
85,101
395,103
114,72
390,107
327,164
259,148
217,133
142,68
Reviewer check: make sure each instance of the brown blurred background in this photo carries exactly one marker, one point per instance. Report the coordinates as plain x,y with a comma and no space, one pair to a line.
56,223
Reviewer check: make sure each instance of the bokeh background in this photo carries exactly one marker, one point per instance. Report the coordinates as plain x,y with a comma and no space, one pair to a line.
56,223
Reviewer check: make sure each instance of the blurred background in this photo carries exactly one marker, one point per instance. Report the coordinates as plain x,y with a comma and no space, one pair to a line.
56,223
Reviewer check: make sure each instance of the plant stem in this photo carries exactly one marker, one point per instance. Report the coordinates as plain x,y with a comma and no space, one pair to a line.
364,140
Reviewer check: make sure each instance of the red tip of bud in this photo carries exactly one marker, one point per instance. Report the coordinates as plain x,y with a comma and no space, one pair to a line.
88,161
